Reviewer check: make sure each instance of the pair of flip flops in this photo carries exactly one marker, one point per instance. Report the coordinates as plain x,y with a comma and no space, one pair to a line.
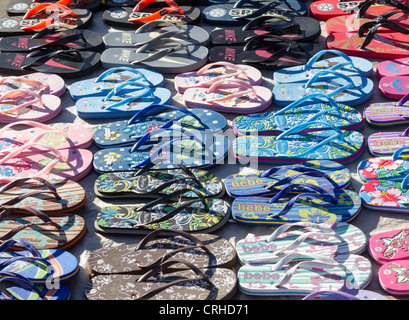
389,249
289,194
286,262
119,93
192,267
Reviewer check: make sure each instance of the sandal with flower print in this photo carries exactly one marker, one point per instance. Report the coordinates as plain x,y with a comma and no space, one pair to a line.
389,246
196,215
128,132
386,195
147,183
315,205
201,249
393,277
324,173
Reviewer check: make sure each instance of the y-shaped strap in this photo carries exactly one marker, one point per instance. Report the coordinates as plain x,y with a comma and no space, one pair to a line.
173,7
165,51
138,75
20,281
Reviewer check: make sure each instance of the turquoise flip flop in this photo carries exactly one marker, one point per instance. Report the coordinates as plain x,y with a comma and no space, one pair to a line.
351,91
300,112
107,81
127,132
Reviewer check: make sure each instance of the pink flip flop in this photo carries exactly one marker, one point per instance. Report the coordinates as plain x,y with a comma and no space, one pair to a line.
389,246
72,164
393,277
21,104
396,67
55,83
217,71
229,95
56,135
394,87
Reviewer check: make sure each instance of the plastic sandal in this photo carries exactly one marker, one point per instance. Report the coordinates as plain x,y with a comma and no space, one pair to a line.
328,239
392,277
342,63
326,174
213,72
208,284
131,3
128,132
345,295
120,102
389,246
340,205
394,87
194,150
19,7
387,114
387,143
396,67
26,105
195,215
394,168
51,197
284,278
157,29
332,144
297,113
201,249
347,90
229,95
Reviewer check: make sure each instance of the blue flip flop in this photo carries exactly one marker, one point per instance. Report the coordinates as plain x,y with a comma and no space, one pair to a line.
324,173
294,145
315,205
299,112
343,89
103,84
127,132
194,150
349,66
120,103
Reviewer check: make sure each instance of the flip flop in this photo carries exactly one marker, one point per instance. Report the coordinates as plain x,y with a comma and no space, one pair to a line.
38,266
106,81
343,89
178,58
394,168
296,28
190,284
127,132
43,232
70,39
196,215
287,279
120,103
340,205
394,87
66,63
385,195
396,67
387,114
121,16
16,287
342,63
227,14
51,197
329,239
392,277
54,84
19,7
25,105
73,164
153,184
329,175
294,146
388,143
158,29
200,249
193,149
213,72
131,3
57,135
229,95
297,113
389,246
345,295
267,51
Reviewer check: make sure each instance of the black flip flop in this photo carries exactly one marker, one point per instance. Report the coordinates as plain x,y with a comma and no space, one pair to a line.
69,39
266,51
12,26
118,17
65,63
297,28
132,3
20,7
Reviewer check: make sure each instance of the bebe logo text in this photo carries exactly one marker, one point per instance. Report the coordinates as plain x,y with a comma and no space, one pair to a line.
256,207
247,182
260,275
259,247
388,142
